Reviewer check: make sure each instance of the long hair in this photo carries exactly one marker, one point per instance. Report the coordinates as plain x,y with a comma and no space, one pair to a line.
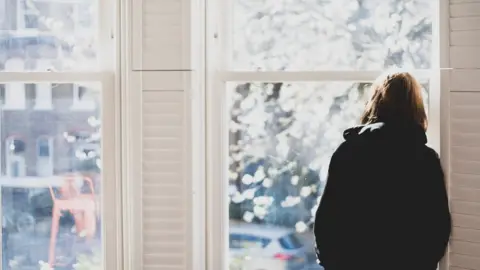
396,98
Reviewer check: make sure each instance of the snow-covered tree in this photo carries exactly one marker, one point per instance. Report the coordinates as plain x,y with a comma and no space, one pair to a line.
282,135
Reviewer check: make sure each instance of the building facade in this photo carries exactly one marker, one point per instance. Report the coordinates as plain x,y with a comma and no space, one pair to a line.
44,127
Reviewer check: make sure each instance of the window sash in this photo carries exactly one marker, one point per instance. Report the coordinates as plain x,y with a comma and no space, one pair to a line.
218,16
110,205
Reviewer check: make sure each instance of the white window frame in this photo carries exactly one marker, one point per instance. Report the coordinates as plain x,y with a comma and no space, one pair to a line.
106,74
216,141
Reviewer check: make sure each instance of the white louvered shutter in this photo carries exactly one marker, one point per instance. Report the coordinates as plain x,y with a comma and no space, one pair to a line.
164,181
161,35
160,226
464,113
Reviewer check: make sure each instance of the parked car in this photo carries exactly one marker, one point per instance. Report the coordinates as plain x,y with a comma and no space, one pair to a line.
264,247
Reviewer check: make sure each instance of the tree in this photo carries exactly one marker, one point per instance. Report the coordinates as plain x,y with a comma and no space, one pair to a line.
283,134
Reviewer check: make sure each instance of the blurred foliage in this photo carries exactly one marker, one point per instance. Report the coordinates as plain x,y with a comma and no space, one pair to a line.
282,135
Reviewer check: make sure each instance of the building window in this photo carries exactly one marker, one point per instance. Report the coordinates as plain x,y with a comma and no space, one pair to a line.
43,147
83,98
27,15
15,157
44,156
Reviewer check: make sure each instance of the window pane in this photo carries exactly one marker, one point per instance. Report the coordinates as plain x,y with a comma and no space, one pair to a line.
43,147
281,138
62,33
309,35
51,199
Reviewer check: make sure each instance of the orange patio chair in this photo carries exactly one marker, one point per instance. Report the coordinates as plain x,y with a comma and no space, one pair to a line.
80,205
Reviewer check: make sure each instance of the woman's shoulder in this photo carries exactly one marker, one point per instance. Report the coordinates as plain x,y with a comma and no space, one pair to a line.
427,152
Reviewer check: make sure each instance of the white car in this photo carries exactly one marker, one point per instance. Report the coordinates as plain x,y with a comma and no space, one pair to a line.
263,247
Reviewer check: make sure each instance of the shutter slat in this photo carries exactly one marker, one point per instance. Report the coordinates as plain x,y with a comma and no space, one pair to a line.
468,235
467,262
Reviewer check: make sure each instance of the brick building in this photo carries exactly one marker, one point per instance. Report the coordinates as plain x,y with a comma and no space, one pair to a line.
37,121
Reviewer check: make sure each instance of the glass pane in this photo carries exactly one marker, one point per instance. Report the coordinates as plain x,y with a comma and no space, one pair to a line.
49,35
51,216
43,147
281,138
274,35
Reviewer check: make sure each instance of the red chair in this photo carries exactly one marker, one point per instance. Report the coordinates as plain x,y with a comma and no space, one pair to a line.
81,206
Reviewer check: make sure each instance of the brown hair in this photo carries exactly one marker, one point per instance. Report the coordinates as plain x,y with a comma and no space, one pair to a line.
396,97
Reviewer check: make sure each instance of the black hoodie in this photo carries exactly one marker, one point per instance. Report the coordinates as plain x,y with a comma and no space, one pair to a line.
385,205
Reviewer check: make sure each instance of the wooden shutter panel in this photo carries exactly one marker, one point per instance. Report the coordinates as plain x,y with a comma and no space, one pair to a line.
164,187
464,114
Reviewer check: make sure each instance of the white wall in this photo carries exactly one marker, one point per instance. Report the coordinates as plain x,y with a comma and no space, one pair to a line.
464,133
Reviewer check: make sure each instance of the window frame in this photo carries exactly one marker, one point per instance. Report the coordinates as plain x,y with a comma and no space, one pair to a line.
107,75
215,151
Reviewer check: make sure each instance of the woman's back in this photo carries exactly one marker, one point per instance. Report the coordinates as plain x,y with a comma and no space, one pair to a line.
385,204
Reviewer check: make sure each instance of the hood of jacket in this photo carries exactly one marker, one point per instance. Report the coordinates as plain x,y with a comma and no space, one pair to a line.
391,132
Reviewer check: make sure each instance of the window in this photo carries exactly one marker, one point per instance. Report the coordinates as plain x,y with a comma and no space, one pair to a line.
2,94
15,157
43,147
27,15
286,80
44,158
55,214
82,97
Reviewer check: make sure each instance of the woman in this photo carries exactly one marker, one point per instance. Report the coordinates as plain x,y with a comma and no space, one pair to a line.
385,205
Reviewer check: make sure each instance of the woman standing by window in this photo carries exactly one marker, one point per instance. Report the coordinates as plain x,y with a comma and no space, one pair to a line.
385,205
